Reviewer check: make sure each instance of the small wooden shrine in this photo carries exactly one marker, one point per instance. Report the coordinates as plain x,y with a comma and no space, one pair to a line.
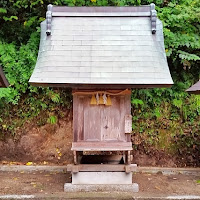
3,80
194,89
101,53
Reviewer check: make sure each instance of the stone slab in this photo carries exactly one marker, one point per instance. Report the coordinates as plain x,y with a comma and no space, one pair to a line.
102,178
69,187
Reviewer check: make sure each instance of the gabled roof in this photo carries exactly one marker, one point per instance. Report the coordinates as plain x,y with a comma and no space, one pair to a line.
87,46
3,80
195,89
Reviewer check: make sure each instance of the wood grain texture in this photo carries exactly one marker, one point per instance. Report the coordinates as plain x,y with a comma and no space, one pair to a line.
128,123
100,122
111,123
75,157
101,127
92,124
101,146
128,157
75,118
128,112
101,168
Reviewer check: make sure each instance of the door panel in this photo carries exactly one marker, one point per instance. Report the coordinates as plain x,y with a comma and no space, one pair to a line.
101,122
111,122
92,125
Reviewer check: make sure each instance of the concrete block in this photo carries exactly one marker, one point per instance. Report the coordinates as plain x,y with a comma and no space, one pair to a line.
68,187
104,178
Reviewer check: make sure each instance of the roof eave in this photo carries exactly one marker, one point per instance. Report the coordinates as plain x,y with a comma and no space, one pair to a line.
101,86
194,92
194,89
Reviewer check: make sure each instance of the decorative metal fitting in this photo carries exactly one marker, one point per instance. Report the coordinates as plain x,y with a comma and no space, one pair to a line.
49,19
153,18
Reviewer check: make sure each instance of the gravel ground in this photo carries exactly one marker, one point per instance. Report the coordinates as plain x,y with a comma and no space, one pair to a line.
50,184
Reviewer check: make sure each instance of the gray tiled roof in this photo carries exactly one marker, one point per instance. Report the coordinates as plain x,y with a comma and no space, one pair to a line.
101,50
194,89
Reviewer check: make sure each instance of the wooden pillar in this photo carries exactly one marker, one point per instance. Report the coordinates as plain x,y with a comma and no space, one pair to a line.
127,157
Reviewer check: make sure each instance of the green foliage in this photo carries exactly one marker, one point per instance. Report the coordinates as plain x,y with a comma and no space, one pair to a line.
188,56
18,64
159,115
10,18
181,30
3,10
137,102
52,119
168,120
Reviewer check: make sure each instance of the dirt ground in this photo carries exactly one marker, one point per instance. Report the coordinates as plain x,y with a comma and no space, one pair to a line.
51,144
46,183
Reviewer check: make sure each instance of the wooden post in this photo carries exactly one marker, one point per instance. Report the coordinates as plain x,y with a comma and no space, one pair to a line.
75,157
127,157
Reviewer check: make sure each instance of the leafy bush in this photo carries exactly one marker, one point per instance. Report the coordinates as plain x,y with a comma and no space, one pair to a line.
156,112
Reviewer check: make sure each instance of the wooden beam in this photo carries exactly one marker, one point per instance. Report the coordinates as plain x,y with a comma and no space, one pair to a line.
100,86
75,157
128,157
101,146
101,168
75,169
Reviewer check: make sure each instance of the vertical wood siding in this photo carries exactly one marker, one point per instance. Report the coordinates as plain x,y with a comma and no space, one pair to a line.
100,122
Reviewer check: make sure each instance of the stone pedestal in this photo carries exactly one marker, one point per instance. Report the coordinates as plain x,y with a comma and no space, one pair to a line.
101,178
69,187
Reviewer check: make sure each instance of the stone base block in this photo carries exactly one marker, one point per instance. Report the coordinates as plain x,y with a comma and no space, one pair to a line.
101,178
68,187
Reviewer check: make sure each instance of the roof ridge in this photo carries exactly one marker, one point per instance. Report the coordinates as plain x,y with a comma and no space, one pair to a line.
101,11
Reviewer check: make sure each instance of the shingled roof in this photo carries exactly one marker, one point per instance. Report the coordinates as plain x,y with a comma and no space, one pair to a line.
3,80
195,89
84,46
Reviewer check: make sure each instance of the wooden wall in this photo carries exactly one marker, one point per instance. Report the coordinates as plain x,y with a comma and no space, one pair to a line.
100,123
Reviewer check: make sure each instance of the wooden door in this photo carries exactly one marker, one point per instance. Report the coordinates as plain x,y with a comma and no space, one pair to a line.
112,120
